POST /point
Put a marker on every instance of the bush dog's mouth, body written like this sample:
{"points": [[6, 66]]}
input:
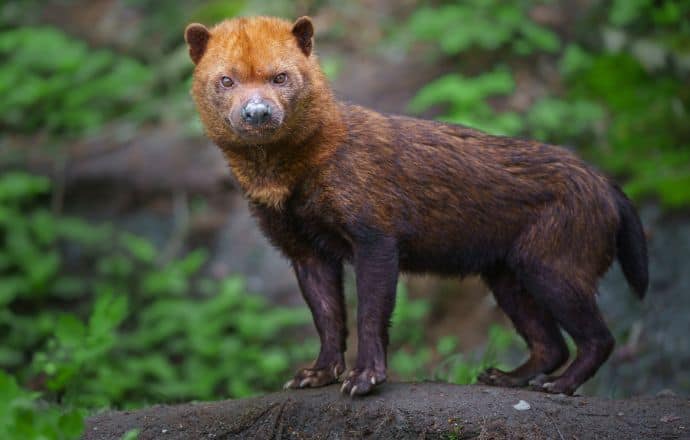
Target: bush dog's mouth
{"points": [[259, 134]]}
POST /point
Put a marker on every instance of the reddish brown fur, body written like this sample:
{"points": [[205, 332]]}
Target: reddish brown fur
{"points": [[338, 183]]}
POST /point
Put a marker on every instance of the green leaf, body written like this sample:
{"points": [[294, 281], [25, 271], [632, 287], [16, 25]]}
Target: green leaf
{"points": [[70, 331], [20, 186], [108, 313], [624, 12], [71, 424], [574, 60], [466, 99], [132, 434], [139, 247], [192, 262], [446, 345], [539, 37]]}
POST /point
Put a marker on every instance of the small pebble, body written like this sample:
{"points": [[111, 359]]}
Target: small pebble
{"points": [[522, 406], [666, 393]]}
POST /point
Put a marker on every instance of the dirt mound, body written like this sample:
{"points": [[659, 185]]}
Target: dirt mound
{"points": [[410, 410]]}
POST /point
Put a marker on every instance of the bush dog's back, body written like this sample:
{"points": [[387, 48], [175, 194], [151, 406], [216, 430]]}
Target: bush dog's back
{"points": [[331, 183]]}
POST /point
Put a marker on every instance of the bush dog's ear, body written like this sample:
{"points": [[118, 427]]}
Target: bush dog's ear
{"points": [[303, 30], [196, 35]]}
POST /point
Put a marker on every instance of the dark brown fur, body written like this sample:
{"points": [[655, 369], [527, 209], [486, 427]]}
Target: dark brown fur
{"points": [[338, 183]]}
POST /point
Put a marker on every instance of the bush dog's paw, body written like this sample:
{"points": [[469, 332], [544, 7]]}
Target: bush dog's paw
{"points": [[537, 383], [497, 378], [558, 386], [551, 385], [360, 382], [315, 377]]}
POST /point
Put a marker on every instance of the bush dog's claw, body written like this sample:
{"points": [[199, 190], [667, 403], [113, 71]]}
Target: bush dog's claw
{"points": [[314, 377]]}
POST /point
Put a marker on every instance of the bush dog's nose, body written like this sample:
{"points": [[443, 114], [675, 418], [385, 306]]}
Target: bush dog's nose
{"points": [[256, 112]]}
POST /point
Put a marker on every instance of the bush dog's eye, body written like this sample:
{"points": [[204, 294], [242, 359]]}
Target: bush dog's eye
{"points": [[226, 81], [280, 78]]}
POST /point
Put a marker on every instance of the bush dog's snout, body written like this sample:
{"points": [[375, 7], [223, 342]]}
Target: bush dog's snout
{"points": [[256, 111]]}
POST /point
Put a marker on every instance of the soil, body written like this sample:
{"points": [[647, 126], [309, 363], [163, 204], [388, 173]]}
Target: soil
{"points": [[405, 410]]}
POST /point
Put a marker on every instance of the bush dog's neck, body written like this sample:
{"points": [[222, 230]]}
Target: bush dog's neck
{"points": [[268, 173]]}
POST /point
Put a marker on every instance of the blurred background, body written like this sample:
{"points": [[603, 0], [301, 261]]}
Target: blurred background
{"points": [[131, 272]]}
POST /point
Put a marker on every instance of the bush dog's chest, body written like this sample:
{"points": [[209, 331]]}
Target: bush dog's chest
{"points": [[302, 227]]}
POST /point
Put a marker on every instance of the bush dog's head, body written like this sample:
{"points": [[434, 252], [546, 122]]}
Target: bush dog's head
{"points": [[255, 79]]}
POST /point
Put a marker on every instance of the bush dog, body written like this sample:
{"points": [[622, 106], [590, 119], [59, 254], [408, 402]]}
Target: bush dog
{"points": [[331, 183]]}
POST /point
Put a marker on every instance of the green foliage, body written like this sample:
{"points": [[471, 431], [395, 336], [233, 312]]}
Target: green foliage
{"points": [[648, 130], [27, 263], [484, 24], [544, 120], [53, 83], [132, 330], [409, 355], [462, 26], [214, 11], [665, 21], [181, 348], [466, 101], [407, 316], [23, 417], [464, 368]]}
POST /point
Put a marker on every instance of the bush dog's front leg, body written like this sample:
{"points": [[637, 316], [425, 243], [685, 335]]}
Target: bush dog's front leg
{"points": [[321, 283], [376, 269]]}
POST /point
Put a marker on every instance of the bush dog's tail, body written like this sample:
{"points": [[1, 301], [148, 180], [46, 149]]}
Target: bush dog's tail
{"points": [[631, 245]]}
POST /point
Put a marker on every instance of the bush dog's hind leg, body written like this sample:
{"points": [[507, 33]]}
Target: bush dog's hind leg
{"points": [[534, 323], [376, 270], [321, 283], [575, 309]]}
